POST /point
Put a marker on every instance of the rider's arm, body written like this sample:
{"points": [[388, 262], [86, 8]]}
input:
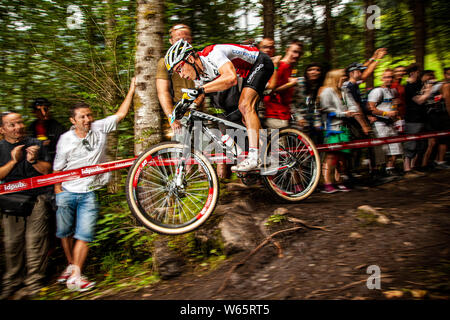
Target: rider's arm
{"points": [[227, 79]]}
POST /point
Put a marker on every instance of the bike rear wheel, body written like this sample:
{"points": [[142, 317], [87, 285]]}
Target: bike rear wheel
{"points": [[297, 166], [161, 199]]}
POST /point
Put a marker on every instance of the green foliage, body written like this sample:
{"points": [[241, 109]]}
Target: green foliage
{"points": [[304, 20], [275, 219], [211, 21], [42, 56]]}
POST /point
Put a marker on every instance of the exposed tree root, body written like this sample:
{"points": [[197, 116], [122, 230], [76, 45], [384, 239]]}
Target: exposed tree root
{"points": [[262, 244]]}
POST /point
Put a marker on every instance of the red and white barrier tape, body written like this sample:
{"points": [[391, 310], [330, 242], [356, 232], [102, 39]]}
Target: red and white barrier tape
{"points": [[49, 179], [52, 178], [365, 143]]}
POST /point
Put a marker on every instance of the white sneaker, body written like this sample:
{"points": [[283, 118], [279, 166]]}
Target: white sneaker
{"points": [[247, 165], [65, 274], [80, 284]]}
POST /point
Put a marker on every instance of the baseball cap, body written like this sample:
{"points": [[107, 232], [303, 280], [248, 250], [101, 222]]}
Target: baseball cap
{"points": [[40, 102], [355, 66]]}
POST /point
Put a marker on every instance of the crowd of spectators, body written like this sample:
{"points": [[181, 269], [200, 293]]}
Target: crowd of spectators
{"points": [[330, 107]]}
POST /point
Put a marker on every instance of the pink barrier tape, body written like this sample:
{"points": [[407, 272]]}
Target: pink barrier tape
{"points": [[52, 178]]}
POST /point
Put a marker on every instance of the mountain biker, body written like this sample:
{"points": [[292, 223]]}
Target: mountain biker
{"points": [[216, 68]]}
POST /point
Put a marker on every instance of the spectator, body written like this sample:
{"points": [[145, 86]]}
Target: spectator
{"points": [[337, 106], [446, 89], [169, 86], [306, 107], [24, 214], [83, 145], [381, 104], [437, 120], [415, 115], [399, 73], [45, 128], [278, 103], [357, 74], [267, 46]]}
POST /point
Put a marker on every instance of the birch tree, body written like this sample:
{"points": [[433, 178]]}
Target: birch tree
{"points": [[149, 45]]}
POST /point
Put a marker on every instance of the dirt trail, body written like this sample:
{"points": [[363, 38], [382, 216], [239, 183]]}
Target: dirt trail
{"points": [[409, 244]]}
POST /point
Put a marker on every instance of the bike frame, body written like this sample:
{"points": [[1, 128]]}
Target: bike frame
{"points": [[198, 115]]}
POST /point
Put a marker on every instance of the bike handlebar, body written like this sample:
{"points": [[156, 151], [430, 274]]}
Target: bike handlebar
{"points": [[180, 109]]}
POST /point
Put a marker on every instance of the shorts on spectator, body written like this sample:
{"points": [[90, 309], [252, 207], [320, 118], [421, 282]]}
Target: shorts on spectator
{"points": [[273, 123], [383, 130], [76, 215], [343, 136], [412, 148], [438, 121]]}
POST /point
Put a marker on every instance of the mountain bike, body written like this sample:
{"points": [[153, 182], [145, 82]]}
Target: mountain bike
{"points": [[172, 188]]}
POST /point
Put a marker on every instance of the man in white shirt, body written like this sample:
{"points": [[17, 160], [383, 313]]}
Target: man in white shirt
{"points": [[381, 104], [83, 145]]}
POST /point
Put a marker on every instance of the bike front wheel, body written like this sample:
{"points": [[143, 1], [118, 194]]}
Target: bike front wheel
{"points": [[293, 164], [170, 193]]}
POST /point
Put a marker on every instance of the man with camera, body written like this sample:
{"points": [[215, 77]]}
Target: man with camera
{"points": [[25, 214]]}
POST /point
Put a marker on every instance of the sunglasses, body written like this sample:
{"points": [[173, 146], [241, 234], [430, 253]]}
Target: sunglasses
{"points": [[180, 66], [87, 145]]}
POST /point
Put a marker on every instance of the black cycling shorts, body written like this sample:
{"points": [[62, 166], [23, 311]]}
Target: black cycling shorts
{"points": [[259, 74]]}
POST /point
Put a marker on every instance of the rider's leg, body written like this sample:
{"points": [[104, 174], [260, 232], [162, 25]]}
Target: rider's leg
{"points": [[247, 103]]}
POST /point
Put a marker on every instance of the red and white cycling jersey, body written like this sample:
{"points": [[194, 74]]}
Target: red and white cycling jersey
{"points": [[215, 56]]}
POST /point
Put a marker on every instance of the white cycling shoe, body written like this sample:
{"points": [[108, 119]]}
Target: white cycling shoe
{"points": [[247, 165]]}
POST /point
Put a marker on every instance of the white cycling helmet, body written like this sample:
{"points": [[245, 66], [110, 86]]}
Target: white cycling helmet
{"points": [[179, 51]]}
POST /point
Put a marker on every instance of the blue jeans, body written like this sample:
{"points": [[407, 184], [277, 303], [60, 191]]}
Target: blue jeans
{"points": [[76, 215]]}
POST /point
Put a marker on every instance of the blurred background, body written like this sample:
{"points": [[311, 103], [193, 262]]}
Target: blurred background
{"points": [[71, 50]]}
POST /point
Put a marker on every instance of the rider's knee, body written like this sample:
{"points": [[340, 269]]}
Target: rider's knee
{"points": [[246, 109]]}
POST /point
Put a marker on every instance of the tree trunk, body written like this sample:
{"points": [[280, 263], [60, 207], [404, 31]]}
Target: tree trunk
{"points": [[269, 18], [369, 41], [26, 77], [329, 38], [149, 46], [420, 33], [313, 28], [112, 92]]}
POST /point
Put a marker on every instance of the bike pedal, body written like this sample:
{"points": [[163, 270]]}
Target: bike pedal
{"points": [[255, 170]]}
